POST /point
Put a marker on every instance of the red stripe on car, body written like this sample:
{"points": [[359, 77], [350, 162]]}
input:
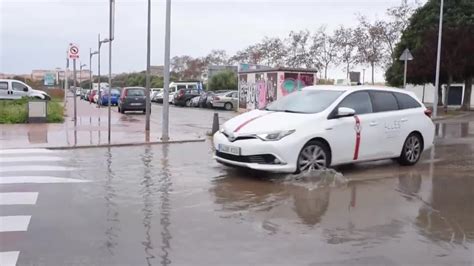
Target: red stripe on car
{"points": [[357, 129], [248, 121]]}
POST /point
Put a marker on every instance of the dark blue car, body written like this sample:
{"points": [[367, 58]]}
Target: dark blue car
{"points": [[104, 100]]}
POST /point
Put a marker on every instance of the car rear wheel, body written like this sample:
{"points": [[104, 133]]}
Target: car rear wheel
{"points": [[412, 149], [228, 106], [315, 155], [188, 103]]}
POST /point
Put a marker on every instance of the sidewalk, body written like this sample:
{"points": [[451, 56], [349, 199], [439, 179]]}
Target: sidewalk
{"points": [[91, 129]]}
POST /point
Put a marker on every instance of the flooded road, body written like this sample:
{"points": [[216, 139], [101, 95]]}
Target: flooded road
{"points": [[173, 205]]}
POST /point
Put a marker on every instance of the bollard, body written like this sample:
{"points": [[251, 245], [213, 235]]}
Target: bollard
{"points": [[215, 123]]}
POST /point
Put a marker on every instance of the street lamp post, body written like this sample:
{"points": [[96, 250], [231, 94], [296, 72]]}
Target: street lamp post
{"points": [[90, 66], [100, 42], [438, 59], [148, 44], [165, 126], [80, 73], [111, 38]]}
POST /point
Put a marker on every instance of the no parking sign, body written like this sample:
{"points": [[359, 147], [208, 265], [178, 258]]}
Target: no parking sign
{"points": [[73, 51]]}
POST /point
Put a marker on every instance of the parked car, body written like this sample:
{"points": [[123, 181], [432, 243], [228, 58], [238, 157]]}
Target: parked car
{"points": [[154, 93], [92, 93], [183, 97], [205, 101], [132, 99], [15, 89], [323, 126], [226, 100], [84, 94], [195, 101], [104, 99]]}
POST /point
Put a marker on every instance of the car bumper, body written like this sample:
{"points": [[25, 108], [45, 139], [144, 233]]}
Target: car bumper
{"points": [[285, 150]]}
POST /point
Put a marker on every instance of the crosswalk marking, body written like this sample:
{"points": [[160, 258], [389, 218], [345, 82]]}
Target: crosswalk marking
{"points": [[38, 180], [30, 159], [24, 151], [9, 258], [34, 168], [20, 198], [14, 223]]}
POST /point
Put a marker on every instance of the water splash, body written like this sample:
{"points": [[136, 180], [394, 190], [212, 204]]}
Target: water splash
{"points": [[315, 179]]}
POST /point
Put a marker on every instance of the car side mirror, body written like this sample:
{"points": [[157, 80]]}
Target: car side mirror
{"points": [[345, 111], [25, 89]]}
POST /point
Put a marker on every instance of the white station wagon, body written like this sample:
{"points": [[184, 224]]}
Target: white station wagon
{"points": [[323, 126]]}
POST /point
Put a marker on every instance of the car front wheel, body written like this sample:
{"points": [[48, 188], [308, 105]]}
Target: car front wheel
{"points": [[315, 155], [228, 106], [412, 149]]}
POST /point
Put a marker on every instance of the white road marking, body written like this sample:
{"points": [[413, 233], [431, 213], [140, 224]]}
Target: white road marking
{"points": [[9, 258], [34, 168], [24, 151], [29, 159], [38, 180], [14, 223], [20, 198]]}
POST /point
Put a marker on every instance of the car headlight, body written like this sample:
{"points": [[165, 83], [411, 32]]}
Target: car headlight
{"points": [[274, 136]]}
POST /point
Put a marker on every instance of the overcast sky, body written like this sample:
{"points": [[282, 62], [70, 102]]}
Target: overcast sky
{"points": [[35, 33]]}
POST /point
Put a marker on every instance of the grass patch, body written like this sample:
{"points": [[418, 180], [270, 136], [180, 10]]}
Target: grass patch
{"points": [[15, 111]]}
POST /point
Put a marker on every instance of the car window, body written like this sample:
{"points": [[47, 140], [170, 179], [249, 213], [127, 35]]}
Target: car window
{"points": [[359, 101], [17, 86], [383, 101], [405, 101], [3, 85], [194, 92], [306, 101], [135, 92], [234, 95]]}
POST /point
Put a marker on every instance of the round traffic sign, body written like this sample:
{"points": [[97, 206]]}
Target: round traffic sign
{"points": [[74, 50]]}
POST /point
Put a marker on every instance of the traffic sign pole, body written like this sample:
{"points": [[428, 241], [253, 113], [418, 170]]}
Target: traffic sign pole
{"points": [[74, 92], [405, 74]]}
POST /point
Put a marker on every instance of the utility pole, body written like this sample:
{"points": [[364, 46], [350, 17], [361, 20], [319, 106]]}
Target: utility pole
{"points": [[148, 44], [98, 68], [111, 38], [438, 59], [165, 124]]}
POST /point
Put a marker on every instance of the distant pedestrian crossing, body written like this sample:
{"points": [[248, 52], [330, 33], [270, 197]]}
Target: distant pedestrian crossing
{"points": [[25, 166]]}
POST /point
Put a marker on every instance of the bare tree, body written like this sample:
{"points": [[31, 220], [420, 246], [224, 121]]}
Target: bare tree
{"points": [[326, 49], [299, 50], [346, 45], [369, 39], [273, 51], [217, 57]]}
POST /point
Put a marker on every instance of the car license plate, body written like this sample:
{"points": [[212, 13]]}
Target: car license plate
{"points": [[229, 149], [136, 104]]}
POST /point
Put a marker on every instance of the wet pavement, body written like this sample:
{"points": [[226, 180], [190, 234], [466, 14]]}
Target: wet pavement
{"points": [[92, 127], [173, 205]]}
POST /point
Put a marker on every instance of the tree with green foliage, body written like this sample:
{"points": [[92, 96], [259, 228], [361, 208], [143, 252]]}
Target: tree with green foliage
{"points": [[457, 53], [226, 80]]}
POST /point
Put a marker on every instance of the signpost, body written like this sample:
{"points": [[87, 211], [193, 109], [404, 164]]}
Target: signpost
{"points": [[73, 53], [406, 56]]}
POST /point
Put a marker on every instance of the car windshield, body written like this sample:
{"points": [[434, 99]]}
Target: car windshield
{"points": [[307, 101]]}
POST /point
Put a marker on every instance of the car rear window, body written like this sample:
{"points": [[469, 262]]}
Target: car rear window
{"points": [[3, 86], [405, 101], [135, 92], [383, 101]]}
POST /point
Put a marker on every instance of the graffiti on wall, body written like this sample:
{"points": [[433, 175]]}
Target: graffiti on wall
{"points": [[259, 93], [291, 82]]}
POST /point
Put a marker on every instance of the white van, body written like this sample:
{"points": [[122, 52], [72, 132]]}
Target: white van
{"points": [[15, 89]]}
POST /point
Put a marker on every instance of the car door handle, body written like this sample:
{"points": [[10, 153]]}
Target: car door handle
{"points": [[403, 120], [373, 123]]}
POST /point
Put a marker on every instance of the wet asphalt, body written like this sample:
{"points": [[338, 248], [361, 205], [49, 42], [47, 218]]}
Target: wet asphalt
{"points": [[174, 205]]}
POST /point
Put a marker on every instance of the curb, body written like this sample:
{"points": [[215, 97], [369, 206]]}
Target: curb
{"points": [[124, 144], [451, 117]]}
